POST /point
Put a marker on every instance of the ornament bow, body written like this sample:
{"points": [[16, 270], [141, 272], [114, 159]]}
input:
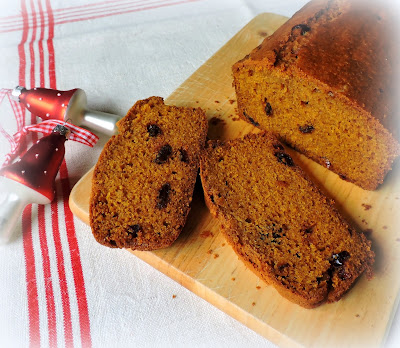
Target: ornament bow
{"points": [[78, 134]]}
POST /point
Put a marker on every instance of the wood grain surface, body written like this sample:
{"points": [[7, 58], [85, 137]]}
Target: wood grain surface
{"points": [[203, 262]]}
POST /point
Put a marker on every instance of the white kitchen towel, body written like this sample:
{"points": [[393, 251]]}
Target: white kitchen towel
{"points": [[58, 287]]}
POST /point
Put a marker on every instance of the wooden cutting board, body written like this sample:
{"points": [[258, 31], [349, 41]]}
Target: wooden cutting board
{"points": [[203, 262]]}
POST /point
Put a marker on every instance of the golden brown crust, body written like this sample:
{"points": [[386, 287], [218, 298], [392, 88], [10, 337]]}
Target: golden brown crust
{"points": [[144, 179], [279, 223], [332, 66]]}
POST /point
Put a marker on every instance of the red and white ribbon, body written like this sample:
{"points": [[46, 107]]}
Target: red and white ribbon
{"points": [[78, 134], [19, 117]]}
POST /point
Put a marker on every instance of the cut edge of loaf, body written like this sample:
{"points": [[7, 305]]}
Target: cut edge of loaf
{"points": [[298, 127]]}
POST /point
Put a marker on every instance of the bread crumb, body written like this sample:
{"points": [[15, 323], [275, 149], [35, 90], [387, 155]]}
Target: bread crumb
{"points": [[366, 206], [206, 234], [216, 255], [233, 279], [231, 101], [173, 296], [253, 304], [209, 251], [258, 287]]}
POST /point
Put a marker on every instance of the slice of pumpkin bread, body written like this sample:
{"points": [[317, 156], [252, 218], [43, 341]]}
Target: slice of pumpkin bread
{"points": [[279, 223], [144, 179]]}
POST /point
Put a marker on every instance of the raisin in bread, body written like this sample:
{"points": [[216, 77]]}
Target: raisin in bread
{"points": [[279, 223], [144, 179], [326, 83]]}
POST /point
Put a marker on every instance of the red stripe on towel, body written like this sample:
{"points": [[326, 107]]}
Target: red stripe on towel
{"points": [[21, 49], [101, 8], [77, 271], [80, 289], [31, 50], [69, 15], [50, 46], [30, 268], [51, 309], [68, 335], [30, 276], [48, 282], [40, 45], [107, 12]]}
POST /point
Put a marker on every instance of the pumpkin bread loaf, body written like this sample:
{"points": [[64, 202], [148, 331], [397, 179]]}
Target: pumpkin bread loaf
{"points": [[144, 179], [326, 83], [279, 223]]}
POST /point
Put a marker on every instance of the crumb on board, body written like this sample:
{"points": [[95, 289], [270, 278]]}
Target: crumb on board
{"points": [[209, 251], [364, 222], [258, 287], [231, 101], [216, 101], [366, 206], [357, 315], [206, 234], [173, 296], [216, 255], [223, 244], [253, 304], [233, 278]]}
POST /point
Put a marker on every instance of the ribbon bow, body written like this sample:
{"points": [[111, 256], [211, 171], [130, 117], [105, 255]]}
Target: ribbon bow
{"points": [[46, 127]]}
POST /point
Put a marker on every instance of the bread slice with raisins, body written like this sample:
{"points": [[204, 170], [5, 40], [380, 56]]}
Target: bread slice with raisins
{"points": [[279, 223], [144, 179]]}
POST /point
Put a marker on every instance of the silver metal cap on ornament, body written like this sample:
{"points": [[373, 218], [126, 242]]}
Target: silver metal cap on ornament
{"points": [[68, 106]]}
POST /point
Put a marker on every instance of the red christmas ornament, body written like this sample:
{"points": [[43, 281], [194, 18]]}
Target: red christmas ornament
{"points": [[39, 166], [46, 103], [68, 106], [31, 179]]}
